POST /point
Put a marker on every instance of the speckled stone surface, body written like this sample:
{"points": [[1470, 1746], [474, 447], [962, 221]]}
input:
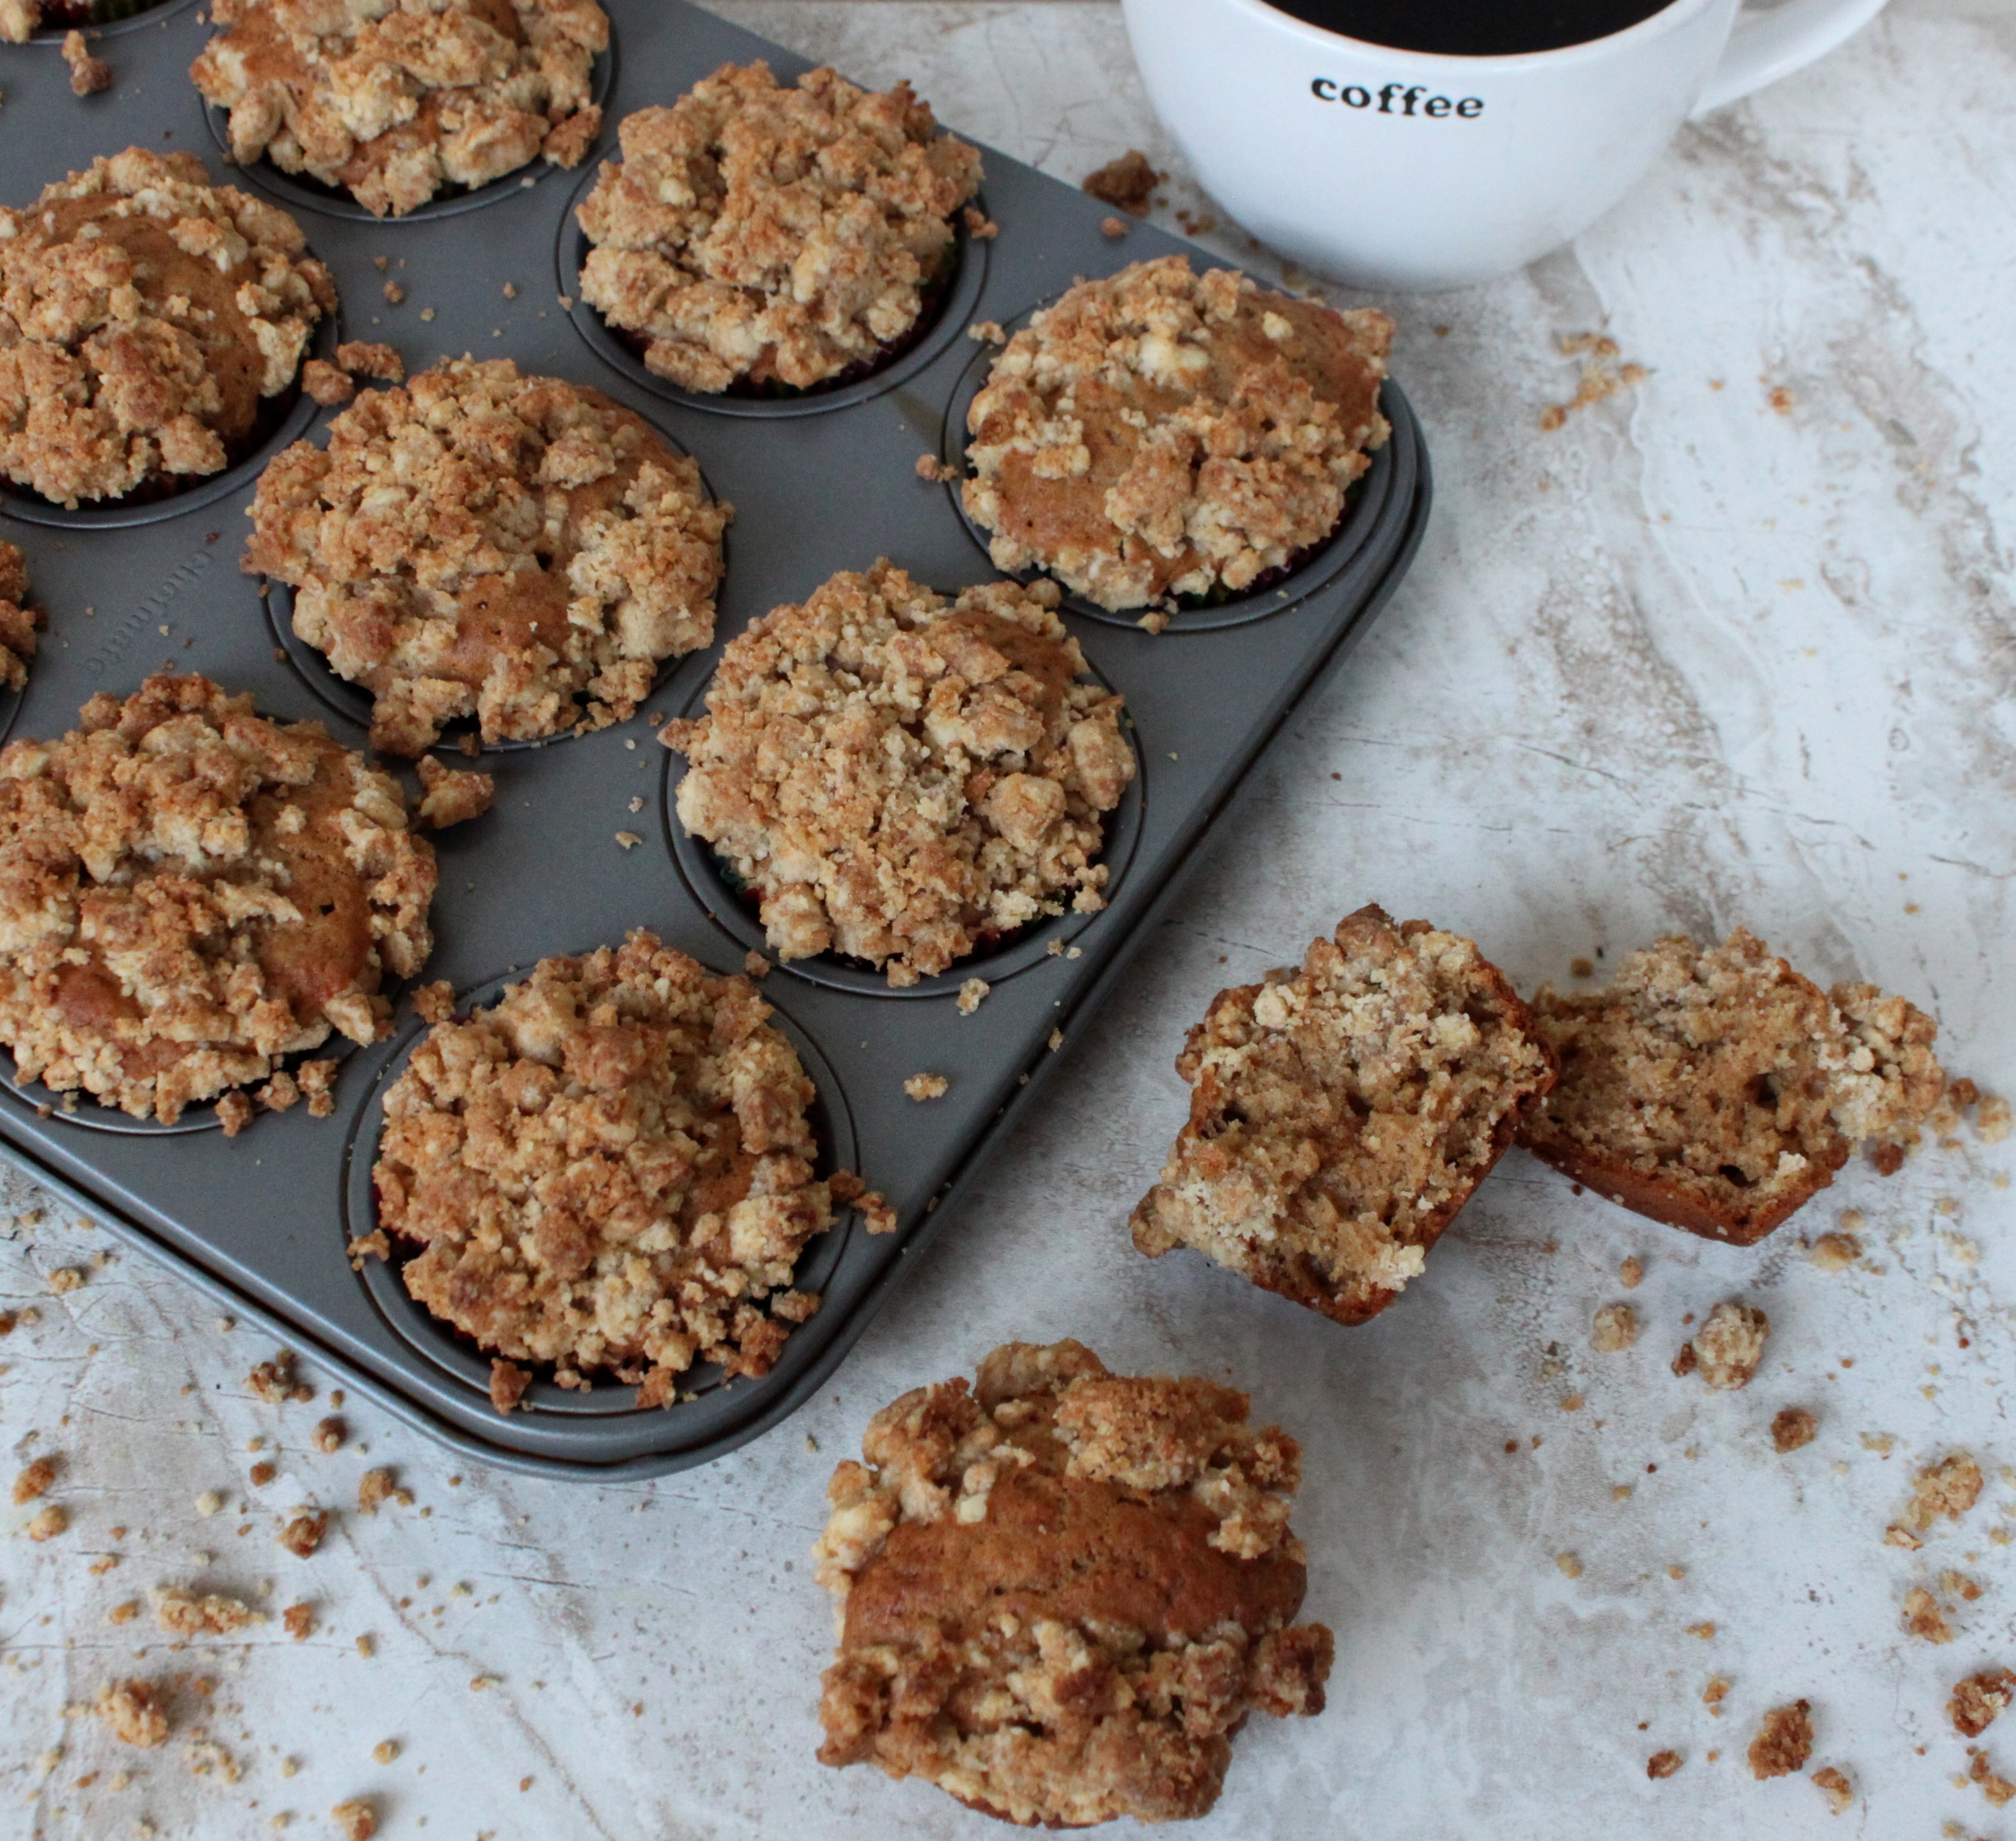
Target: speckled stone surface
{"points": [[1734, 645]]}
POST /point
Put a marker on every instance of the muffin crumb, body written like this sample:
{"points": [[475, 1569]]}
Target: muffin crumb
{"points": [[1924, 1618], [1980, 1700], [1784, 1741], [136, 1712], [1128, 182], [1833, 1785], [1615, 1329], [1727, 1348], [88, 75], [1663, 1764], [926, 1086], [1793, 1427]]}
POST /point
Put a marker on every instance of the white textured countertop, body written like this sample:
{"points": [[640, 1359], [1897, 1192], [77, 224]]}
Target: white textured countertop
{"points": [[1734, 646]]}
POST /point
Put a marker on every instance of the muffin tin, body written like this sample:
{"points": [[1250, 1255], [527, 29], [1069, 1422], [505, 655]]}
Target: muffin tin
{"points": [[821, 482]]}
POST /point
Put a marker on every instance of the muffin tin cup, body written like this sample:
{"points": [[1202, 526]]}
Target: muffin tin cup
{"points": [[582, 845]]}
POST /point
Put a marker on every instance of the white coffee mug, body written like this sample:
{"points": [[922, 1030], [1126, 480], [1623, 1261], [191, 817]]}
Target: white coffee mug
{"points": [[1416, 171]]}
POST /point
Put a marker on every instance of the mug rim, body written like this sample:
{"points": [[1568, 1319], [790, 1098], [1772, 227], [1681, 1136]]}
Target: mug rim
{"points": [[1668, 18]]}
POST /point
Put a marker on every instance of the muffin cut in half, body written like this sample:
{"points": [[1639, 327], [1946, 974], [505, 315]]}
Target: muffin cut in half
{"points": [[1161, 434], [611, 1169], [1341, 1115], [1059, 1594], [1718, 1090], [148, 322], [756, 234], [391, 100], [480, 542], [900, 778], [188, 892]]}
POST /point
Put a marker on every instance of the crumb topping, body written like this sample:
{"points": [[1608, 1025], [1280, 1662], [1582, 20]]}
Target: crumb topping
{"points": [[611, 1168], [899, 778], [1128, 182], [1727, 1348], [1615, 1329], [1719, 1090], [1784, 1741], [19, 20], [1161, 433], [1948, 1488], [135, 1711], [762, 232], [479, 542], [188, 892], [1060, 1591], [390, 101], [1340, 1116], [183, 1613], [1792, 1428], [1924, 1618], [1980, 1700], [144, 315], [88, 75]]}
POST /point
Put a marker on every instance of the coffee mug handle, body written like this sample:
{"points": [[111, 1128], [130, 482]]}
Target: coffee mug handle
{"points": [[1768, 43]]}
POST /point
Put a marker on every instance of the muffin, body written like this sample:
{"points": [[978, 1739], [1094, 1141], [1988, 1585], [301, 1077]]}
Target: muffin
{"points": [[755, 236], [611, 1170], [151, 326], [18, 621], [546, 545], [1061, 1593], [391, 102], [904, 779], [189, 892], [1341, 1115], [1718, 1090], [1161, 435]]}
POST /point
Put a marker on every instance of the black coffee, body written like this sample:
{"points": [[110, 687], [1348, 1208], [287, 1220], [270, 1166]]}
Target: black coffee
{"points": [[1472, 28]]}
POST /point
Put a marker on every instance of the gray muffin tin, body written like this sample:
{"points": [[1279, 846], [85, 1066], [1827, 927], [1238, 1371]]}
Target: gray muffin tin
{"points": [[819, 484]]}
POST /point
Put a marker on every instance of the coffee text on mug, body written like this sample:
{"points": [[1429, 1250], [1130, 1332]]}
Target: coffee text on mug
{"points": [[1354, 96]]}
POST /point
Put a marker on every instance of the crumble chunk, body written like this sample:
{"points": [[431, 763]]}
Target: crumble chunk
{"points": [[1340, 1117], [19, 20], [1060, 1591], [88, 75], [1727, 1348], [926, 1086], [452, 795], [189, 892], [1160, 433], [275, 1382], [541, 544], [136, 1712], [1793, 1427], [183, 1613], [1663, 1764], [899, 778], [330, 387], [356, 1819], [48, 1522], [1784, 1741], [1718, 1090], [1997, 1788], [1615, 1329], [1128, 182], [380, 362], [392, 103], [1924, 1618], [1833, 1785], [148, 313], [611, 1168], [34, 1479], [19, 623], [1980, 1700], [304, 1532], [1949, 1488], [755, 233]]}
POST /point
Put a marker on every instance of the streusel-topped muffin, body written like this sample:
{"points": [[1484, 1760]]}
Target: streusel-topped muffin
{"points": [[1061, 1592], [757, 233], [1162, 433], [1341, 1115], [147, 317], [393, 100], [543, 545], [898, 777], [189, 892], [610, 1169]]}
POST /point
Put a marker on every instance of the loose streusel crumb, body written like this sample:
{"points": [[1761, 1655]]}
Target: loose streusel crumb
{"points": [[184, 1613], [392, 103], [19, 20], [1924, 1617], [380, 362], [1719, 1090], [48, 1522], [1569, 1566], [275, 1381], [304, 1532], [375, 1488], [1128, 182], [1948, 1488], [544, 542], [1112, 228], [1998, 1789], [1663, 1764], [35, 1478], [919, 1086], [1833, 1785], [1835, 1252], [1784, 1741], [1631, 1273], [330, 387], [1160, 432], [1616, 1328], [148, 313], [1061, 1592], [1715, 1694], [661, 1248], [759, 234], [1794, 1427], [755, 964], [1340, 1117], [189, 892], [19, 623], [357, 1820], [898, 777], [1980, 1700], [136, 1712], [1727, 1348], [452, 795], [1961, 1585], [972, 994], [88, 75], [329, 1435], [299, 1621]]}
